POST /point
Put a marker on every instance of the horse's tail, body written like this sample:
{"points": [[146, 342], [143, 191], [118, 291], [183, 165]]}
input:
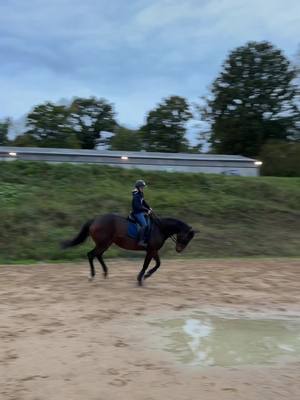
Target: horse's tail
{"points": [[80, 238]]}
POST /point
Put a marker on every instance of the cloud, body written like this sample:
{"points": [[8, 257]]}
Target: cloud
{"points": [[133, 53]]}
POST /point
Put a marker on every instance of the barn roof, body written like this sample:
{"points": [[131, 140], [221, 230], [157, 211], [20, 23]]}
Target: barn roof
{"points": [[118, 154]]}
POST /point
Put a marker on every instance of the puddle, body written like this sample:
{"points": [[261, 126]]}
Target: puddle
{"points": [[214, 341]]}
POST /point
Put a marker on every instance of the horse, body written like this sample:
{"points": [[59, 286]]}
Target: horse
{"points": [[112, 228]]}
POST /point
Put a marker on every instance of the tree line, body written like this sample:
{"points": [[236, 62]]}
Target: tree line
{"points": [[85, 122], [252, 110]]}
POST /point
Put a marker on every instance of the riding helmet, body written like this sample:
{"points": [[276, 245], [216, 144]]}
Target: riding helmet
{"points": [[140, 183]]}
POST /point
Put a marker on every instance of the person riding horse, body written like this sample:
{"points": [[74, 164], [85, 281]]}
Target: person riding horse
{"points": [[139, 208], [107, 229]]}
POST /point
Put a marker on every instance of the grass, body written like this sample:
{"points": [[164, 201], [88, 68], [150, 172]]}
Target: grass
{"points": [[41, 204]]}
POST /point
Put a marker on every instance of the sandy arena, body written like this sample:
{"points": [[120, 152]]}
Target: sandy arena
{"points": [[65, 338]]}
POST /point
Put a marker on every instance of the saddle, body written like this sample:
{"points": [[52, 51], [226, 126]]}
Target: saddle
{"points": [[131, 218], [134, 228]]}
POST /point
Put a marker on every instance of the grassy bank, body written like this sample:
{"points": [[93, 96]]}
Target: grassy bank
{"points": [[41, 204]]}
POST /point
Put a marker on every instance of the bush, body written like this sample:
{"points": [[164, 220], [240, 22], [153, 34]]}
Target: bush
{"points": [[281, 159]]}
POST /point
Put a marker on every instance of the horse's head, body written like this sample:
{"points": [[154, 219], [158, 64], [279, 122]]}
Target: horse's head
{"points": [[183, 238]]}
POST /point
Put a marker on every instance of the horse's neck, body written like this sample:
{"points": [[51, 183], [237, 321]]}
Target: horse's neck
{"points": [[171, 226]]}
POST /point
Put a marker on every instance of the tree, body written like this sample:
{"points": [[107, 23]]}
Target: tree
{"points": [[49, 126], [125, 139], [280, 158], [165, 126], [26, 140], [4, 128], [253, 100], [90, 117]]}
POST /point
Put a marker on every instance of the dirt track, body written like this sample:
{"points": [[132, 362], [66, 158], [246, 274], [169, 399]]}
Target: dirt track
{"points": [[64, 338]]}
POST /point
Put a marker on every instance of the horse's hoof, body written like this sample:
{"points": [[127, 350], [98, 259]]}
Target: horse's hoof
{"points": [[140, 282], [91, 278], [105, 275]]}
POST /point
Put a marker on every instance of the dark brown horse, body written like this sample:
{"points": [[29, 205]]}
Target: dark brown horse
{"points": [[112, 228]]}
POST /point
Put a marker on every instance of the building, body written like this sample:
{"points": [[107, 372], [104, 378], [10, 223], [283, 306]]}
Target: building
{"points": [[171, 162]]}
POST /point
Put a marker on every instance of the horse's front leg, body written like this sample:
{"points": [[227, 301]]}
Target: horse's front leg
{"points": [[152, 270], [147, 261]]}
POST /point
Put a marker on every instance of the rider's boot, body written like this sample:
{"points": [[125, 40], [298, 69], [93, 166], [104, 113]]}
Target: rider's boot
{"points": [[141, 241]]}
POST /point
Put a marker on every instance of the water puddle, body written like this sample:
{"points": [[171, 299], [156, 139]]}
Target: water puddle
{"points": [[204, 340]]}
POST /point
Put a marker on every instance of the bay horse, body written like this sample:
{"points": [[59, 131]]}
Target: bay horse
{"points": [[111, 228]]}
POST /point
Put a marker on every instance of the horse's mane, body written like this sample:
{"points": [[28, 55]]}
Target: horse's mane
{"points": [[173, 223]]}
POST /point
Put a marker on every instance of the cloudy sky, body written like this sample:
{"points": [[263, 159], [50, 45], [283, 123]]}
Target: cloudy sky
{"points": [[132, 52]]}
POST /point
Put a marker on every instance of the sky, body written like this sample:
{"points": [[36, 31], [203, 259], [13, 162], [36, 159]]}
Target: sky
{"points": [[133, 53]]}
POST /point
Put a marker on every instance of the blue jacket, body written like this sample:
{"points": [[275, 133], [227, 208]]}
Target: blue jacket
{"points": [[139, 204]]}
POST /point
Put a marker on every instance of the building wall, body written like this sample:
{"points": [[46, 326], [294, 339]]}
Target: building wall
{"points": [[234, 170], [243, 167]]}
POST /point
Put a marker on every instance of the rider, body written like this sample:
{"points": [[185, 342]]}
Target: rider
{"points": [[139, 208]]}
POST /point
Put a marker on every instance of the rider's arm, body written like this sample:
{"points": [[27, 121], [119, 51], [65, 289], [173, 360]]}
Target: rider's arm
{"points": [[146, 205]]}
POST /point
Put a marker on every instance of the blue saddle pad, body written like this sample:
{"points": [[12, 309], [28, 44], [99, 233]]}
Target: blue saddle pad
{"points": [[133, 230]]}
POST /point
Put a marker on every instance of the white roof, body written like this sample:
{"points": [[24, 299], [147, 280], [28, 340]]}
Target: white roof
{"points": [[118, 154]]}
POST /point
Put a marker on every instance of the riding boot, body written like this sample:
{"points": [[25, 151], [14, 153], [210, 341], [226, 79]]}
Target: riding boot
{"points": [[141, 241]]}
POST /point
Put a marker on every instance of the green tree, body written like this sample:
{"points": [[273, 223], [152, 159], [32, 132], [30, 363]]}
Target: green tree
{"points": [[165, 126], [90, 117], [4, 128], [26, 140], [125, 139], [280, 158], [253, 100], [49, 126]]}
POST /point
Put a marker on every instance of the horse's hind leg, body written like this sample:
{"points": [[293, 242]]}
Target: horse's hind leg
{"points": [[101, 261], [91, 255]]}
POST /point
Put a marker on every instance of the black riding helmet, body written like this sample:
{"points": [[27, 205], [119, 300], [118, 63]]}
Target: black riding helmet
{"points": [[140, 183]]}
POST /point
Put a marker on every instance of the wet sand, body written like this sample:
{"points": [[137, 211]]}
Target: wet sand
{"points": [[65, 338]]}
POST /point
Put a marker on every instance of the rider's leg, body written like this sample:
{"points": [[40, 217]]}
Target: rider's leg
{"points": [[143, 222]]}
